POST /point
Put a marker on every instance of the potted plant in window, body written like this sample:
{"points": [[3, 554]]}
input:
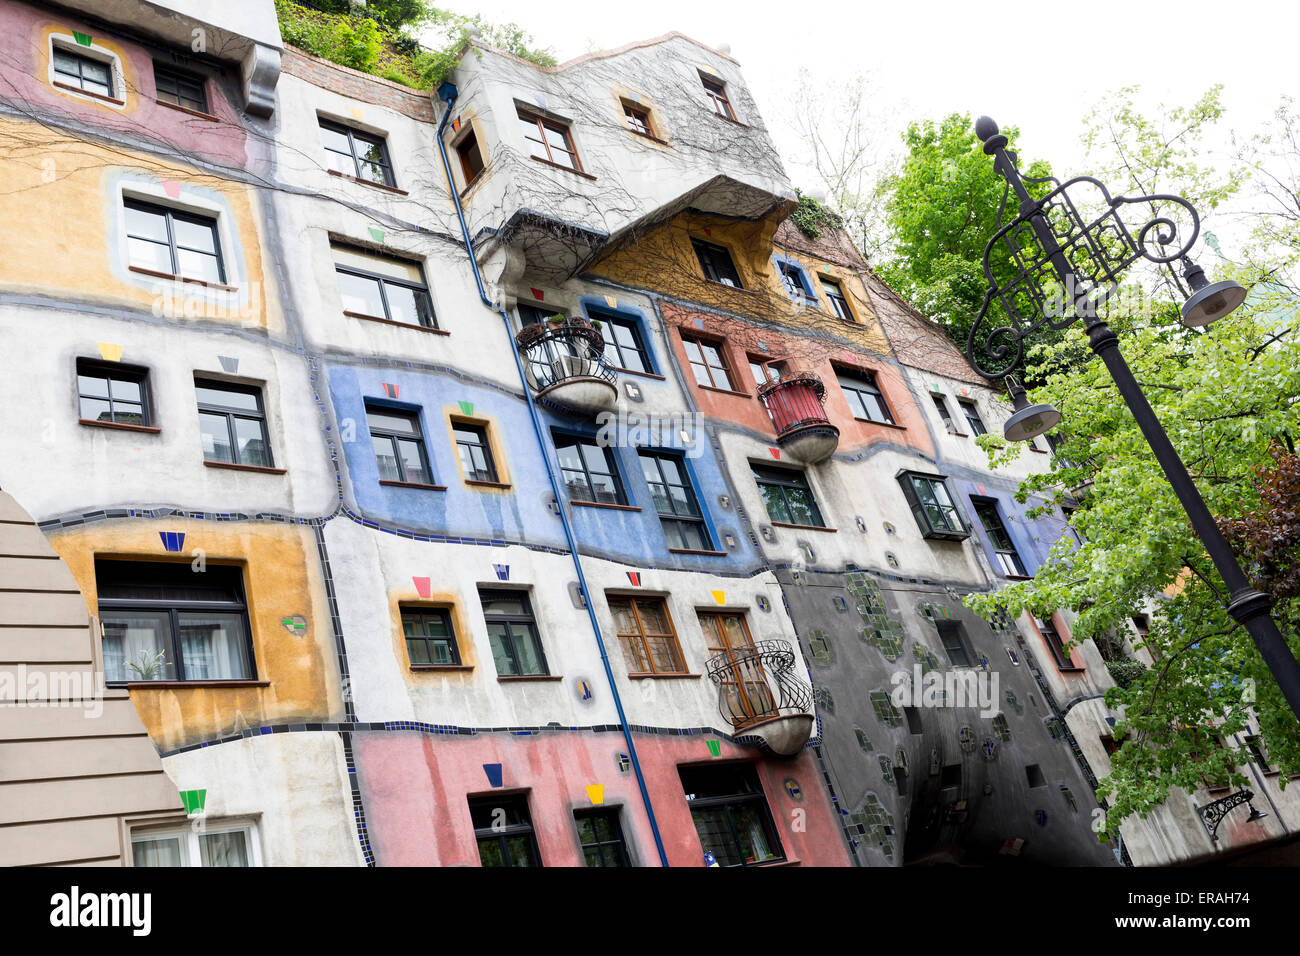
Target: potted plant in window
{"points": [[147, 665]]}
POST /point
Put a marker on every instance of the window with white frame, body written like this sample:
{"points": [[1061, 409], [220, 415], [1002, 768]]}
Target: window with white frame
{"points": [[86, 70], [215, 844]]}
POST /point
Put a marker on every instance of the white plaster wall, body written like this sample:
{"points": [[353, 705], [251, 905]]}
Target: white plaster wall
{"points": [[294, 785]]}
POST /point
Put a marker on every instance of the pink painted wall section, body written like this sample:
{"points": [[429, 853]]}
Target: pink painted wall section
{"points": [[416, 789], [25, 45]]}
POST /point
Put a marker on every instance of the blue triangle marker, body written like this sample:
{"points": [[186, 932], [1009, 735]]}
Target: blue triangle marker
{"points": [[493, 771]]}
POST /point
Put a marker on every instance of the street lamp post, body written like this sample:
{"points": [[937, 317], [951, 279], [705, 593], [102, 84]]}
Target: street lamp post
{"points": [[1052, 240]]}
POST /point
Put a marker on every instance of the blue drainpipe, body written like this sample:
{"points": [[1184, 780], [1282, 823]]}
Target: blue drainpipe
{"points": [[447, 92]]}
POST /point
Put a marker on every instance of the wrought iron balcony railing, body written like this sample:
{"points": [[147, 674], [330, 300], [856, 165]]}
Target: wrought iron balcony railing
{"points": [[757, 683], [556, 354], [795, 402]]}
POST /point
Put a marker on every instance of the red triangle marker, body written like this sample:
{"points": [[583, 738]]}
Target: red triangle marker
{"points": [[538, 294], [421, 586]]}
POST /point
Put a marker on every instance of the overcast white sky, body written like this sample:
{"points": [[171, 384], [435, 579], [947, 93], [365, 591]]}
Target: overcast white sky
{"points": [[1040, 65]]}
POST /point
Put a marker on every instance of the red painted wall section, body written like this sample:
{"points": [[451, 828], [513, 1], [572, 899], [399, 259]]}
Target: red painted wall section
{"points": [[25, 45], [416, 788], [739, 339]]}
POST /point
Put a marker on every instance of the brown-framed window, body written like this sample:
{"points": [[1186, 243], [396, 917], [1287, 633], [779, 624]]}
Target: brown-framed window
{"points": [[835, 295], [717, 93], [645, 629], [180, 88], [1056, 644], [549, 140], [430, 638], [471, 158], [744, 683], [716, 263], [763, 369], [638, 119], [708, 363], [866, 401]]}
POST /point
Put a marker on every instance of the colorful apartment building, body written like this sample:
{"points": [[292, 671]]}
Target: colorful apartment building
{"points": [[491, 475]]}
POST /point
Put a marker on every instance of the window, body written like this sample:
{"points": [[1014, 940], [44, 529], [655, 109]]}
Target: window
{"points": [[638, 119], [516, 646], [214, 845], [972, 416], [708, 364], [730, 813], [716, 264], [645, 630], [675, 500], [430, 639], [167, 242], [180, 88], [601, 837], [504, 830], [232, 424], [549, 141], [1056, 645], [379, 287], [1035, 776], [864, 397], [1257, 753], [108, 392], [168, 622], [1004, 551], [354, 153], [589, 470], [1108, 743], [717, 93], [399, 445], [83, 72], [471, 157], [794, 280], [743, 692], [763, 370], [624, 347], [835, 295], [932, 506], [534, 314], [787, 496], [475, 453], [941, 405], [950, 776], [955, 644]]}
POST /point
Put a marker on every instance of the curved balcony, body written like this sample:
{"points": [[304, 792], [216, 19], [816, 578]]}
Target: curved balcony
{"points": [[759, 694], [565, 367], [796, 404]]}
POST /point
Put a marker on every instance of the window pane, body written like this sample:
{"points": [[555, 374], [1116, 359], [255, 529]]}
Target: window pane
{"points": [[373, 172], [335, 140], [530, 653], [395, 421], [146, 224], [128, 413], [506, 603], [413, 461], [253, 449], [95, 72], [418, 652], [93, 385], [159, 851], [489, 852], [499, 635], [361, 295], [149, 255], [715, 835], [215, 433], [96, 410], [386, 458], [195, 235], [755, 842], [213, 646], [775, 501], [136, 646], [802, 507], [126, 390], [224, 849], [408, 305], [199, 265], [227, 398], [520, 849]]}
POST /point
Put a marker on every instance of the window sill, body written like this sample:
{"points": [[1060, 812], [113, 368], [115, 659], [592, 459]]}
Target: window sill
{"points": [[186, 109], [567, 169], [146, 429], [221, 287], [628, 371], [1018, 577], [411, 484], [368, 182], [260, 469], [803, 527], [649, 136], [401, 325], [723, 391], [433, 668], [868, 421], [487, 484], [524, 678], [601, 504], [675, 675], [482, 175], [1064, 669], [730, 119], [94, 96], [958, 434], [174, 684], [1039, 450], [712, 554]]}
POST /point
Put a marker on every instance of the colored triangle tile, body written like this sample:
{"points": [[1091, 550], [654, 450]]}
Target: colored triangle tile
{"points": [[110, 352], [596, 792], [422, 586]]}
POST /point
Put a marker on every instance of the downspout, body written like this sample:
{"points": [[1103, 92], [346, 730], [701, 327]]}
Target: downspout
{"points": [[447, 92]]}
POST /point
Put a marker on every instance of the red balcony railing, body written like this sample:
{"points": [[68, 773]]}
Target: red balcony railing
{"points": [[795, 402]]}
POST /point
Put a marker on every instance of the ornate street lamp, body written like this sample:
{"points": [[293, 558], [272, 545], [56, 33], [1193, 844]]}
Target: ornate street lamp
{"points": [[1068, 251], [1212, 814]]}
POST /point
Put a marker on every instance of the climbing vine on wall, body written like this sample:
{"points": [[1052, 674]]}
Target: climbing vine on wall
{"points": [[812, 218]]}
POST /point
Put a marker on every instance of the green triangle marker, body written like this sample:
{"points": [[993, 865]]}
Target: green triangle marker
{"points": [[715, 747], [83, 38], [466, 408], [194, 800], [376, 234]]}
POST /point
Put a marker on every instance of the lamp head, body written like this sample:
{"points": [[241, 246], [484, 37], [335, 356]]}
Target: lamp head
{"points": [[1255, 815], [1028, 421], [1208, 302]]}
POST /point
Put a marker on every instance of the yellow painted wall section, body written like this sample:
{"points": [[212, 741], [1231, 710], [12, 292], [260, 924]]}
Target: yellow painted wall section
{"points": [[61, 215], [664, 260], [282, 578]]}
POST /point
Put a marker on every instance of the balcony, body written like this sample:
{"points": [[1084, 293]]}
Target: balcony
{"points": [[564, 365], [761, 697], [796, 406]]}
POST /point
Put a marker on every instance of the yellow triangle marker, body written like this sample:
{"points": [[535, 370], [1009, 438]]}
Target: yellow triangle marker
{"points": [[719, 597], [109, 352], [611, 302], [356, 112], [596, 792]]}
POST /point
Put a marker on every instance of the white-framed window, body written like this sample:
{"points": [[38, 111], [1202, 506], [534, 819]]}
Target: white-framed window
{"points": [[218, 843], [89, 71]]}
